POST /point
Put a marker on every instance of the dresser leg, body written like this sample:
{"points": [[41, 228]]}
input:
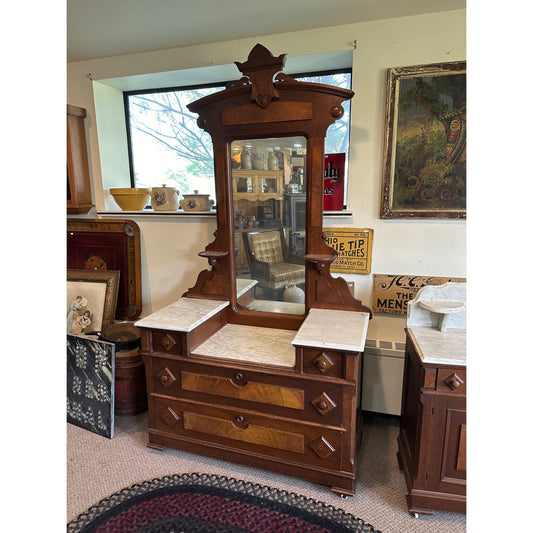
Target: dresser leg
{"points": [[155, 446]]}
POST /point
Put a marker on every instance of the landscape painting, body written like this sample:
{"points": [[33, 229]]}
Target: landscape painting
{"points": [[424, 170]]}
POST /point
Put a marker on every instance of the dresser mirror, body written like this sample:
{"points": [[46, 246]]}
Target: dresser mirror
{"points": [[269, 258], [269, 200]]}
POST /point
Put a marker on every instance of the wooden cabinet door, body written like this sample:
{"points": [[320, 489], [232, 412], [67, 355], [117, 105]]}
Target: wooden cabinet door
{"points": [[446, 466]]}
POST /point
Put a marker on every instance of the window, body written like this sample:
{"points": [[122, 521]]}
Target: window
{"points": [[166, 146]]}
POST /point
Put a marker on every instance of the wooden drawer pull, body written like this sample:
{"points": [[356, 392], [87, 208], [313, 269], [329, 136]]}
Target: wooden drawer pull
{"points": [[238, 380], [240, 423], [453, 381]]}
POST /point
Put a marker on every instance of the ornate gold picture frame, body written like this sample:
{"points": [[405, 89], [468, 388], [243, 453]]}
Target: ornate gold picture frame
{"points": [[424, 167]]}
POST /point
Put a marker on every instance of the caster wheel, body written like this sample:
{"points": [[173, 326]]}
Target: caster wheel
{"points": [[344, 496], [414, 515]]}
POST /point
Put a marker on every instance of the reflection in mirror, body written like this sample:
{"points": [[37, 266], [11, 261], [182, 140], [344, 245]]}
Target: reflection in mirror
{"points": [[269, 213]]}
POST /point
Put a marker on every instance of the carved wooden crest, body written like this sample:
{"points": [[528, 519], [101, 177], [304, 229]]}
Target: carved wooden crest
{"points": [[260, 68]]}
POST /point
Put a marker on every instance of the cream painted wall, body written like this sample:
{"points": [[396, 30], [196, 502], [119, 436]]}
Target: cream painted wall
{"points": [[426, 247]]}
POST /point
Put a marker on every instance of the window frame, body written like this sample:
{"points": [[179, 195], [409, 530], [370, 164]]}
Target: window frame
{"points": [[299, 75]]}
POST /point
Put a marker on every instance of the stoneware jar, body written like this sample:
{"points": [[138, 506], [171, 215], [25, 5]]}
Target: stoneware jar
{"points": [[164, 198], [196, 202], [246, 159], [273, 163], [258, 161]]}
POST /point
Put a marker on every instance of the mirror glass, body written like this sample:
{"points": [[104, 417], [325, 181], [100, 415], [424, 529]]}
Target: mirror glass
{"points": [[269, 215]]}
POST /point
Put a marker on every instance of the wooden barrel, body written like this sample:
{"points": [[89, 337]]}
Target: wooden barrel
{"points": [[130, 383]]}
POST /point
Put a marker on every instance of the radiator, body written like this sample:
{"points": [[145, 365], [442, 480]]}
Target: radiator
{"points": [[383, 376]]}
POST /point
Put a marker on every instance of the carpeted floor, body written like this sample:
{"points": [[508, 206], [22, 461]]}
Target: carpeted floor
{"points": [[98, 467]]}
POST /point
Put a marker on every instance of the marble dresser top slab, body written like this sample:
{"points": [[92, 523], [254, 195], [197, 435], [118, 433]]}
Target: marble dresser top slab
{"points": [[334, 329], [183, 315], [250, 343], [244, 285], [434, 346]]}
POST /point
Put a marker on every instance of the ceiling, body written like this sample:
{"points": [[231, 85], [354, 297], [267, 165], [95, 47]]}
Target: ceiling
{"points": [[102, 28]]}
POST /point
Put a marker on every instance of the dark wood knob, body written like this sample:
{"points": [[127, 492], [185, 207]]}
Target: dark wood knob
{"points": [[164, 378], [321, 364], [454, 383], [322, 405]]}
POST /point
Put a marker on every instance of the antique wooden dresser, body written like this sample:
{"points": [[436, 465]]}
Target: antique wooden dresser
{"points": [[232, 371]]}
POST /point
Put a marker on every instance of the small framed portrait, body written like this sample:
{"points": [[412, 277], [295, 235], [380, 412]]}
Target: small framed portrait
{"points": [[91, 300]]}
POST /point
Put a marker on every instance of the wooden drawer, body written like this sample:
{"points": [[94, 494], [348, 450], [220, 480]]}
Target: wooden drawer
{"points": [[246, 430], [307, 399], [327, 363], [451, 380], [161, 341]]}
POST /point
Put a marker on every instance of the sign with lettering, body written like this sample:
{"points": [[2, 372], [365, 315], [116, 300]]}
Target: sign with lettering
{"points": [[393, 292], [354, 248], [334, 181]]}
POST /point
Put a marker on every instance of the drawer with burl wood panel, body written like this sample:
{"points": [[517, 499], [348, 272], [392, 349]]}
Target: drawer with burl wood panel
{"points": [[241, 429], [285, 396]]}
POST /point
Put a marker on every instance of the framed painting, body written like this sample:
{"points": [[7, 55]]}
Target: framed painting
{"points": [[424, 167], [91, 300]]}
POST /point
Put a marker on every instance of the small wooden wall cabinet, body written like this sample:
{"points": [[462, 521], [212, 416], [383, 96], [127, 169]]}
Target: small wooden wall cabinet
{"points": [[432, 440], [79, 199]]}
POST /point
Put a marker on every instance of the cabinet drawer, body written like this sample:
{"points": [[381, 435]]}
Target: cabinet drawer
{"points": [[327, 363], [246, 430], [451, 380], [167, 342], [307, 399]]}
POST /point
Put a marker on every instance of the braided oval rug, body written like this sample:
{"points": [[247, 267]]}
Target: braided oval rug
{"points": [[203, 503]]}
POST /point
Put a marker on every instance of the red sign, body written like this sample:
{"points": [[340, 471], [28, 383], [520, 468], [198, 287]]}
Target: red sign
{"points": [[334, 165]]}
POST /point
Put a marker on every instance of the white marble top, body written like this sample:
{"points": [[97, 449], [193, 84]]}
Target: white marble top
{"points": [[250, 343], [434, 346], [271, 306], [244, 285], [334, 329], [183, 315]]}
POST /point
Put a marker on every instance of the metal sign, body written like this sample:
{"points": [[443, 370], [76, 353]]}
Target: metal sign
{"points": [[392, 293], [354, 248]]}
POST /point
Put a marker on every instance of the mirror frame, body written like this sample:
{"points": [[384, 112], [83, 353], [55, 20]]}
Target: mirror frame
{"points": [[266, 102]]}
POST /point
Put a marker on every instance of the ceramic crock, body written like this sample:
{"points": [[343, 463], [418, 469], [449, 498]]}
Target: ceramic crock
{"points": [[164, 198], [196, 202]]}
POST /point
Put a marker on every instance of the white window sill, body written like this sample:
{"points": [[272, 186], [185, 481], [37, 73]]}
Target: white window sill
{"points": [[337, 213], [152, 213]]}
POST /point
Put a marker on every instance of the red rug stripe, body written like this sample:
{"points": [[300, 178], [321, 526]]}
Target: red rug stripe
{"points": [[211, 508]]}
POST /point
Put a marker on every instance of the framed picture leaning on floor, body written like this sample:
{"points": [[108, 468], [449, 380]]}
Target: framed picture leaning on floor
{"points": [[91, 300]]}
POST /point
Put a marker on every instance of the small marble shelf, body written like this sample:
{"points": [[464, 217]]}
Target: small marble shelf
{"points": [[444, 309], [333, 329]]}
